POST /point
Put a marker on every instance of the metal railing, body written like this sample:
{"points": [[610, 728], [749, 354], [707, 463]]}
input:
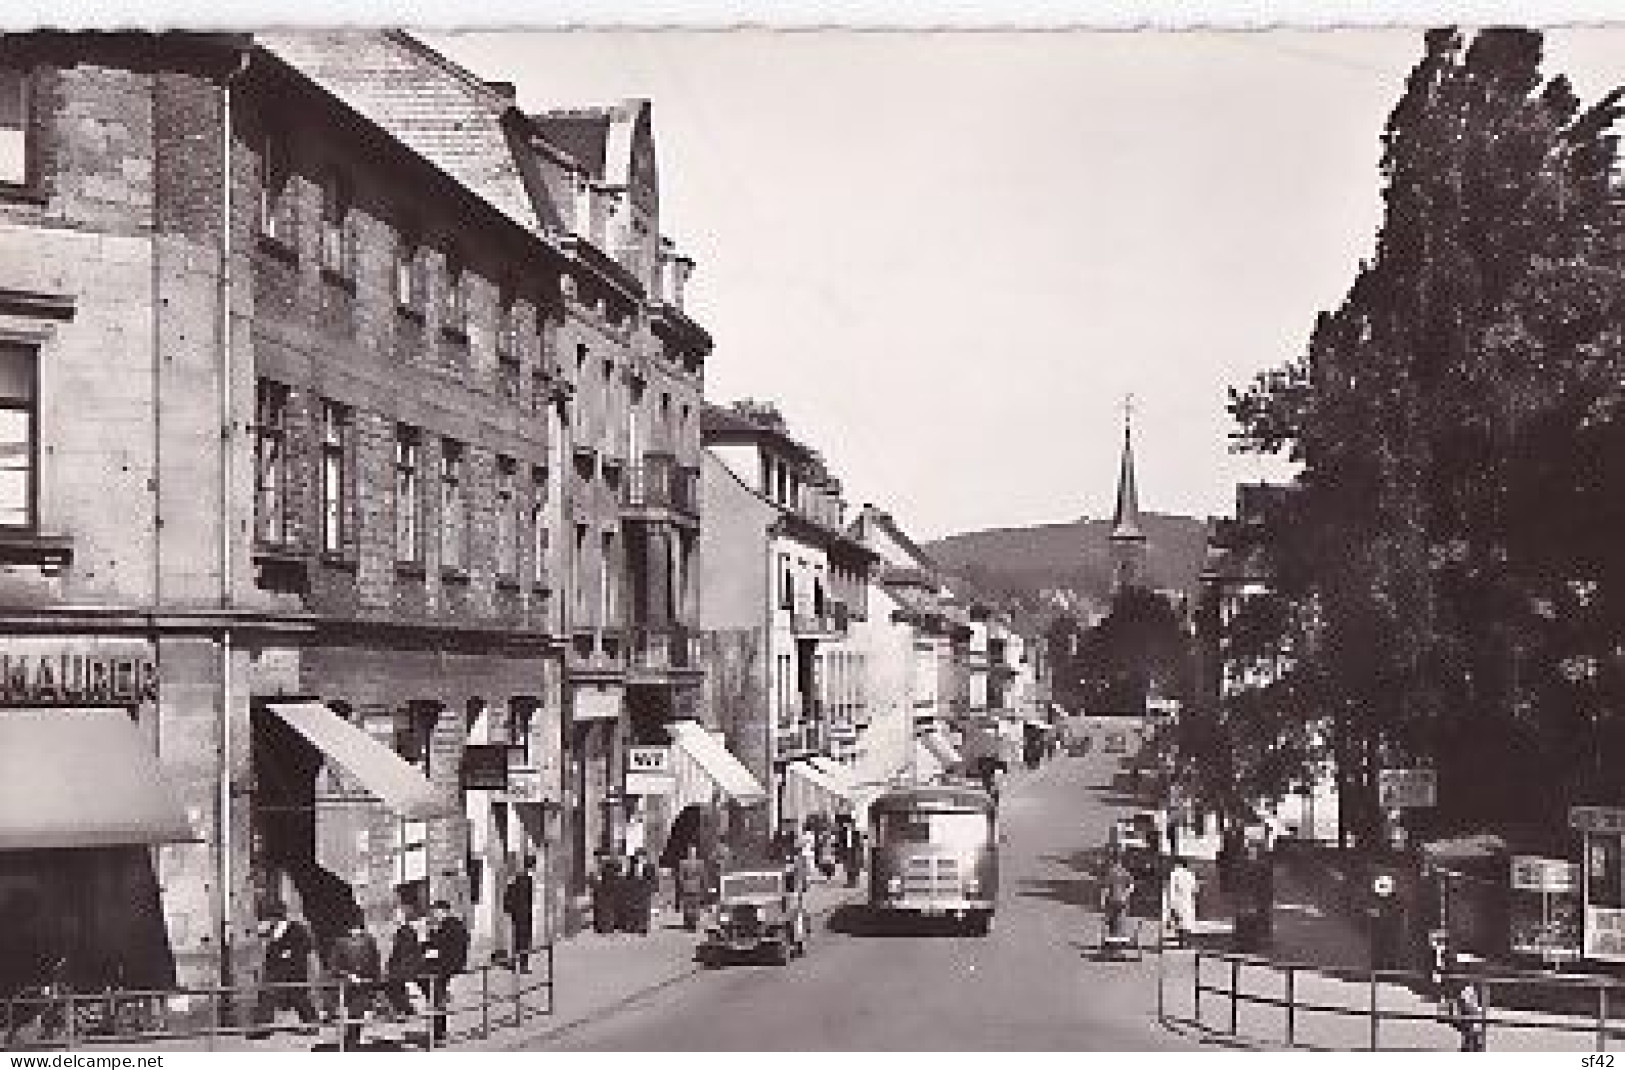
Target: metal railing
{"points": [[501, 998], [662, 647], [660, 482], [1277, 984]]}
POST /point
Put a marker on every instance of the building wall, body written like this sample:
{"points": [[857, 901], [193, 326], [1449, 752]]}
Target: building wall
{"points": [[733, 551]]}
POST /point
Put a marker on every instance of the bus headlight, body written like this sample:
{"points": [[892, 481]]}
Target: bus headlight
{"points": [[894, 885]]}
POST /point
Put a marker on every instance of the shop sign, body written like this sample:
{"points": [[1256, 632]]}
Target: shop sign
{"points": [[649, 771], [58, 678], [485, 767], [526, 786], [1552, 875], [649, 760], [1605, 934], [1399, 789], [1606, 820]]}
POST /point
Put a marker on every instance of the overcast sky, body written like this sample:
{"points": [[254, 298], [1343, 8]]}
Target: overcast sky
{"points": [[948, 257]]}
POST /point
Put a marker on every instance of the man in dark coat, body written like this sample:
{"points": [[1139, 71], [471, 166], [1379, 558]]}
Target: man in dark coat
{"points": [[518, 902], [640, 882], [605, 889], [355, 963], [445, 954], [405, 965], [693, 887], [288, 947]]}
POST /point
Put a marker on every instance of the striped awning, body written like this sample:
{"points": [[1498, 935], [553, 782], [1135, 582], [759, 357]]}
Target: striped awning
{"points": [[380, 770]]}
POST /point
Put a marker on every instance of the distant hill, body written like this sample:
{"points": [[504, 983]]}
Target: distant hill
{"points": [[1069, 566]]}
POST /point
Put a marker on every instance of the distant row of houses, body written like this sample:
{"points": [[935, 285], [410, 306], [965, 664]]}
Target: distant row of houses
{"points": [[365, 534]]}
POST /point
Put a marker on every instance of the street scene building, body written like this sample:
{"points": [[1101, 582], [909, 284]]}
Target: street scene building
{"points": [[413, 619]]}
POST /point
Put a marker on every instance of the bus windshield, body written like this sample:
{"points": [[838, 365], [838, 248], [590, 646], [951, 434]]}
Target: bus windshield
{"points": [[964, 829]]}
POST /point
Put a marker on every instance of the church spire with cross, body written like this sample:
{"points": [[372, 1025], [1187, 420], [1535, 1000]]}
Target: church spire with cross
{"points": [[1128, 539]]}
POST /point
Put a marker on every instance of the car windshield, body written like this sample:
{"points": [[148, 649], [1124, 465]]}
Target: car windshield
{"points": [[944, 829], [746, 885]]}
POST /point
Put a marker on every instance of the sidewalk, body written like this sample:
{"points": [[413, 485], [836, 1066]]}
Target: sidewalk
{"points": [[594, 973], [1317, 925]]}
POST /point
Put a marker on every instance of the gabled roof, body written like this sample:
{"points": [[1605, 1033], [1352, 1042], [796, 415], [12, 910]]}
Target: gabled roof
{"points": [[436, 108]]}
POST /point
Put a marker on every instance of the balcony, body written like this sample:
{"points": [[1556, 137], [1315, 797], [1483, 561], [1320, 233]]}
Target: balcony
{"points": [[832, 623], [653, 651], [595, 651], [661, 483]]}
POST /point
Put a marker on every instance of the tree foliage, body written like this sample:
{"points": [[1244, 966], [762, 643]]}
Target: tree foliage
{"points": [[1458, 419]]}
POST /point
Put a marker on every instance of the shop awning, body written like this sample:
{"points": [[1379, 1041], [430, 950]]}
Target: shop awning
{"points": [[926, 765], [381, 771], [718, 761], [819, 779], [838, 774], [82, 778], [937, 742]]}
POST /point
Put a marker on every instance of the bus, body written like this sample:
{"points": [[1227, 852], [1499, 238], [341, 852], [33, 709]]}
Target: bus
{"points": [[934, 853]]}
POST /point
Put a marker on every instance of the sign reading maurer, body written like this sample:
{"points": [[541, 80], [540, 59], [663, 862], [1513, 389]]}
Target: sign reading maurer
{"points": [[67, 679]]}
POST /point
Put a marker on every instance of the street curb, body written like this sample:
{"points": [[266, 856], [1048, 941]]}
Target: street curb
{"points": [[625, 1002]]}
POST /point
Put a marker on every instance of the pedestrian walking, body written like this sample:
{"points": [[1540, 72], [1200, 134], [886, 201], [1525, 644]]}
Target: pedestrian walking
{"points": [[642, 881], [519, 903], [1182, 889], [445, 955], [1116, 891], [824, 849], [356, 966], [405, 965], [806, 857], [605, 887], [693, 884], [1457, 994], [288, 949]]}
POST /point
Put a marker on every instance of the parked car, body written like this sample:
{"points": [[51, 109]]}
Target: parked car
{"points": [[758, 910]]}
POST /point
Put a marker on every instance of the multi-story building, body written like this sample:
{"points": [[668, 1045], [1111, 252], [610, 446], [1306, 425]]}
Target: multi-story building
{"points": [[784, 586], [913, 614], [292, 331]]}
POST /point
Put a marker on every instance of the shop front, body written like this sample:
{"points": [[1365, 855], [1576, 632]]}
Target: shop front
{"points": [[85, 800]]}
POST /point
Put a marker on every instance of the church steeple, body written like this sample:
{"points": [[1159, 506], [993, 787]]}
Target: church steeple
{"points": [[1128, 536]]}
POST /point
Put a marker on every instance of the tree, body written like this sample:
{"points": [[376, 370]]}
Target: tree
{"points": [[1458, 421]]}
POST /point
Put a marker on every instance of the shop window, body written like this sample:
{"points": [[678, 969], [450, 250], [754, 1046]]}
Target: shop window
{"points": [[16, 139], [453, 509], [271, 463], [19, 436], [408, 495], [335, 490]]}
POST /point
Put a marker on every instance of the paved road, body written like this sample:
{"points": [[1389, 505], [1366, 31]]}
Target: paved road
{"points": [[1031, 985]]}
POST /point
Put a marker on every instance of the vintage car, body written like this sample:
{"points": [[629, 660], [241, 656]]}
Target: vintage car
{"points": [[757, 910]]}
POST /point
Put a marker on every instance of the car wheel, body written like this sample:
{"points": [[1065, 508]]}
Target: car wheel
{"points": [[781, 953]]}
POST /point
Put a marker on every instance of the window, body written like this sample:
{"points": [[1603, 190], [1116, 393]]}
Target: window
{"points": [[276, 208], [453, 508], [408, 494], [609, 580], [16, 105], [409, 280], [19, 453], [521, 715], [580, 568], [508, 348], [454, 310], [335, 492], [787, 584], [271, 463], [507, 517], [538, 526], [338, 223]]}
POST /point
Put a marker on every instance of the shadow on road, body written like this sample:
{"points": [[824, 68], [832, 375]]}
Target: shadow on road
{"points": [[856, 919]]}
